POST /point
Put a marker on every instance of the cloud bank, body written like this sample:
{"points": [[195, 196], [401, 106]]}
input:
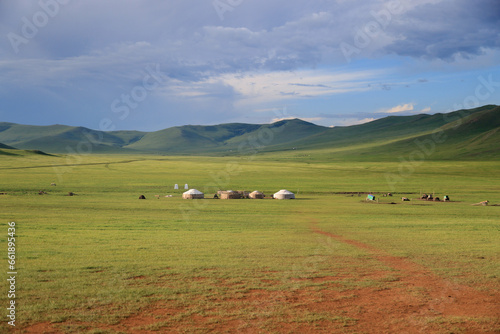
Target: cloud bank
{"points": [[67, 61]]}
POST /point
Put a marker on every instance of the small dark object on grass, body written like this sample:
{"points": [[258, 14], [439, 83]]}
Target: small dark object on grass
{"points": [[142, 197]]}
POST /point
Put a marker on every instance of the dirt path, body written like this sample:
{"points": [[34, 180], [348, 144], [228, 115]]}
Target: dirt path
{"points": [[413, 300], [421, 295]]}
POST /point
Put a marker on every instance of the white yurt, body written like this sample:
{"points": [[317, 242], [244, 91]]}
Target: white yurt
{"points": [[193, 194], [284, 194]]}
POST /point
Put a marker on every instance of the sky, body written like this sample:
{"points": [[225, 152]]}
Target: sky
{"points": [[152, 64]]}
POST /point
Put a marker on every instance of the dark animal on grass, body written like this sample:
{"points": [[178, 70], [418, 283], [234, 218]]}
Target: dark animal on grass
{"points": [[142, 197]]}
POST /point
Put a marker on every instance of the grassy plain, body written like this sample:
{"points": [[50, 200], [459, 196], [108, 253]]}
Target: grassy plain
{"points": [[104, 261]]}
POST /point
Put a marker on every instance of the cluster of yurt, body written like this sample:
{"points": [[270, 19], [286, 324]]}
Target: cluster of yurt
{"points": [[230, 194]]}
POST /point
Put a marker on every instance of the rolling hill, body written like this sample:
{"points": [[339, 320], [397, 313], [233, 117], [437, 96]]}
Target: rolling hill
{"points": [[470, 137], [9, 150], [191, 138], [6, 147], [463, 134], [66, 139], [385, 129]]}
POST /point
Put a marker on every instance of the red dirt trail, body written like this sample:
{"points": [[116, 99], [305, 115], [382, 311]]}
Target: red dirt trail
{"points": [[415, 300], [442, 298]]}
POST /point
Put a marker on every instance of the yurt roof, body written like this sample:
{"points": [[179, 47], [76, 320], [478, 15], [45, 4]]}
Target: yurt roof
{"points": [[284, 192], [256, 192], [193, 192]]}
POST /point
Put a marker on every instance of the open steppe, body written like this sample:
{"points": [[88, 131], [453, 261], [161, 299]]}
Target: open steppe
{"points": [[104, 261]]}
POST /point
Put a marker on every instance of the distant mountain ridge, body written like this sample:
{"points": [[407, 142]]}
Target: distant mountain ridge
{"points": [[470, 133]]}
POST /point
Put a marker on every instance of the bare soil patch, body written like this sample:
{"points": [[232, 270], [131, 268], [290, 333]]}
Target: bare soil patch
{"points": [[410, 299], [43, 327], [421, 293]]}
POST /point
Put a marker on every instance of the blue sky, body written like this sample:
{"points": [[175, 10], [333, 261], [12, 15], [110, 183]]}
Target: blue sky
{"points": [[149, 65]]}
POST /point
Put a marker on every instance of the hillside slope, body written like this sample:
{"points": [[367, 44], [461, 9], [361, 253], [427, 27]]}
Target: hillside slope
{"points": [[382, 130], [191, 138], [66, 139], [467, 136], [6, 147], [470, 134], [279, 134]]}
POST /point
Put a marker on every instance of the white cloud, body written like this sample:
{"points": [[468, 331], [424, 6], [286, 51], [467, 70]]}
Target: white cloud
{"points": [[397, 109], [257, 88], [353, 121], [407, 108]]}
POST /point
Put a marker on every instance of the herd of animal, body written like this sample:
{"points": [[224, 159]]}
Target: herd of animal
{"points": [[426, 197]]}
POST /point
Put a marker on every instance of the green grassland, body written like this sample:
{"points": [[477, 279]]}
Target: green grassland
{"points": [[103, 255]]}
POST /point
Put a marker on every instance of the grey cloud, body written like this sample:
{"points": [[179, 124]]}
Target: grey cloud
{"points": [[92, 51], [307, 85], [272, 35], [296, 43], [447, 29], [289, 94]]}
